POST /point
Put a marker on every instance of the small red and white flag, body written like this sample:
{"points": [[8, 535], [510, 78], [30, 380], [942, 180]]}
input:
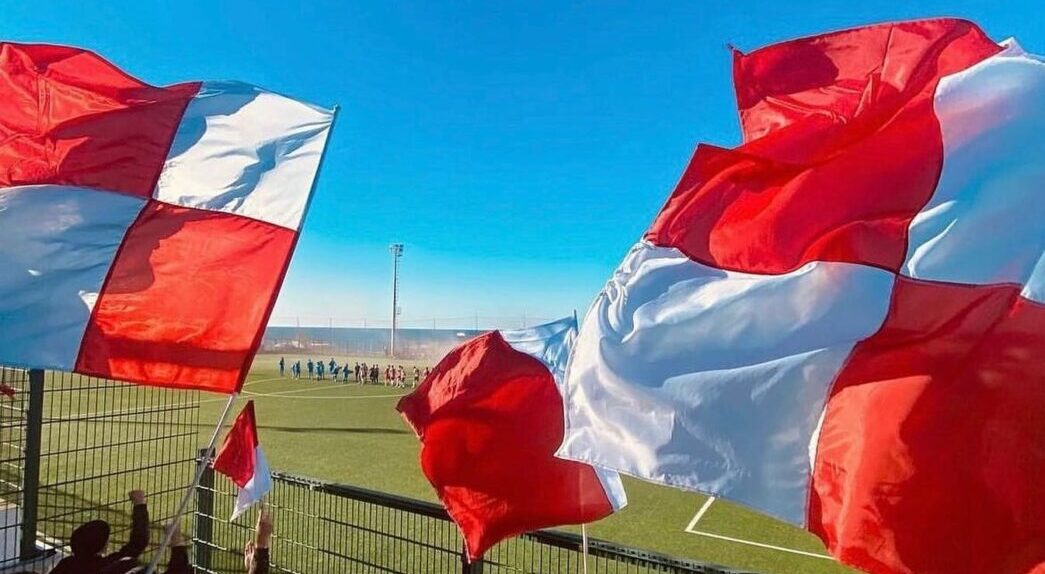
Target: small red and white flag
{"points": [[241, 459], [490, 418]]}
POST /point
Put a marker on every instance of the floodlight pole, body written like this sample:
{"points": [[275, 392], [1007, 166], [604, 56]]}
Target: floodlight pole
{"points": [[396, 249]]}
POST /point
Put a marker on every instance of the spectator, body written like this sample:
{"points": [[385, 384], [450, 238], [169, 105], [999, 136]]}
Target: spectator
{"points": [[89, 540]]}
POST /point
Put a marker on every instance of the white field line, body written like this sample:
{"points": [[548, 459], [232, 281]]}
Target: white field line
{"points": [[691, 529], [700, 513]]}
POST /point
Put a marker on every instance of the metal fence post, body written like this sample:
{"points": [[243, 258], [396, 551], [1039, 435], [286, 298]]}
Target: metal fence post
{"points": [[471, 567], [204, 512], [31, 472]]}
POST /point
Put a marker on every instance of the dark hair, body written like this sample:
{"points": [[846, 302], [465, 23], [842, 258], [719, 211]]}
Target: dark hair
{"points": [[90, 538]]}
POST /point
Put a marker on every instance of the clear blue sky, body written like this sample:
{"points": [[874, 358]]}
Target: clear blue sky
{"points": [[516, 148]]}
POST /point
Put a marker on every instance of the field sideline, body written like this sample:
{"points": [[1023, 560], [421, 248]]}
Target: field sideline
{"points": [[346, 426]]}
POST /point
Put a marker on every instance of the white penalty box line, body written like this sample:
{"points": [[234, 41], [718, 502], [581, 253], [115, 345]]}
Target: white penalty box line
{"points": [[691, 528]]}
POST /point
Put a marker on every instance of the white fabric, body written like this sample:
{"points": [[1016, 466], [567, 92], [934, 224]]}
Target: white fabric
{"points": [[259, 485], [985, 224], [711, 380], [57, 244], [551, 344], [246, 151]]}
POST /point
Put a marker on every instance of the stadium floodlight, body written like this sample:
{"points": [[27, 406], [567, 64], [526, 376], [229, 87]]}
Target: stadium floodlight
{"points": [[396, 249]]}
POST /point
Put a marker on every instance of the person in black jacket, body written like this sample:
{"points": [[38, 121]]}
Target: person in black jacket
{"points": [[90, 539], [177, 564]]}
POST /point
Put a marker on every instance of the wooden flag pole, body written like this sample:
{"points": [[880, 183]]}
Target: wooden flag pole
{"points": [[200, 468]]}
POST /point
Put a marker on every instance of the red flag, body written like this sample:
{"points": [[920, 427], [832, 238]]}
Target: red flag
{"points": [[7, 391], [840, 322], [241, 459], [490, 419]]}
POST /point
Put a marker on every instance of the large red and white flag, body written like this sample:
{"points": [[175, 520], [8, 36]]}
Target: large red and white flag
{"points": [[144, 231], [841, 322], [490, 418], [241, 459]]}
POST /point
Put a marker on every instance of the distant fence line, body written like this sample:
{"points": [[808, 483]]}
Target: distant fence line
{"points": [[415, 338], [463, 322]]}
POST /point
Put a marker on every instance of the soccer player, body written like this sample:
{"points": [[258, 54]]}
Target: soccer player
{"points": [[311, 367], [281, 364], [417, 376]]}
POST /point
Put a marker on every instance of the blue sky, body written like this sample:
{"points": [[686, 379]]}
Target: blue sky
{"points": [[516, 148]]}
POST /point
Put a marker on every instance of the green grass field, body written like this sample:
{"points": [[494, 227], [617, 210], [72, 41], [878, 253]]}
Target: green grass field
{"points": [[353, 435]]}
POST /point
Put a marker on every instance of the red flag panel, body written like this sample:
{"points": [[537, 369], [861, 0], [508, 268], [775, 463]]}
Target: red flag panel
{"points": [[931, 455], [188, 284], [237, 457], [72, 118], [847, 159]]}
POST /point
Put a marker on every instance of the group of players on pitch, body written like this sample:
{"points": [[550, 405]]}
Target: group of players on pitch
{"points": [[394, 376]]}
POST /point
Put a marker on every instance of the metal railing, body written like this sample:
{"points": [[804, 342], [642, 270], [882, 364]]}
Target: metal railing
{"points": [[327, 528]]}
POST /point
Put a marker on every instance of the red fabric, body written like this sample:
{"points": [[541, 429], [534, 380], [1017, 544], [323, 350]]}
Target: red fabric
{"points": [[490, 420], [842, 151], [237, 456], [7, 391], [69, 117], [186, 298], [932, 453]]}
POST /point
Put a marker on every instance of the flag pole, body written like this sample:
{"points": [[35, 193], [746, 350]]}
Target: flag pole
{"points": [[200, 468], [584, 546]]}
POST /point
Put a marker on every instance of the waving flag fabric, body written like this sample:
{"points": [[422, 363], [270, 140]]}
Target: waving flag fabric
{"points": [[841, 322], [490, 418], [241, 459], [144, 231]]}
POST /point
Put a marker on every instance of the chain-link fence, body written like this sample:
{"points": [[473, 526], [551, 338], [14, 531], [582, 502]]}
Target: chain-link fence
{"points": [[331, 528], [73, 447]]}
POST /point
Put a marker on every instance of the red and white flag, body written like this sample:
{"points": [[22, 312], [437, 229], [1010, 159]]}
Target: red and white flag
{"points": [[490, 418], [841, 322], [241, 459], [145, 230]]}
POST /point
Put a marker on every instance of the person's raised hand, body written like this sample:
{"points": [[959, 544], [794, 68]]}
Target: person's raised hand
{"points": [[137, 497], [248, 556], [264, 528]]}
